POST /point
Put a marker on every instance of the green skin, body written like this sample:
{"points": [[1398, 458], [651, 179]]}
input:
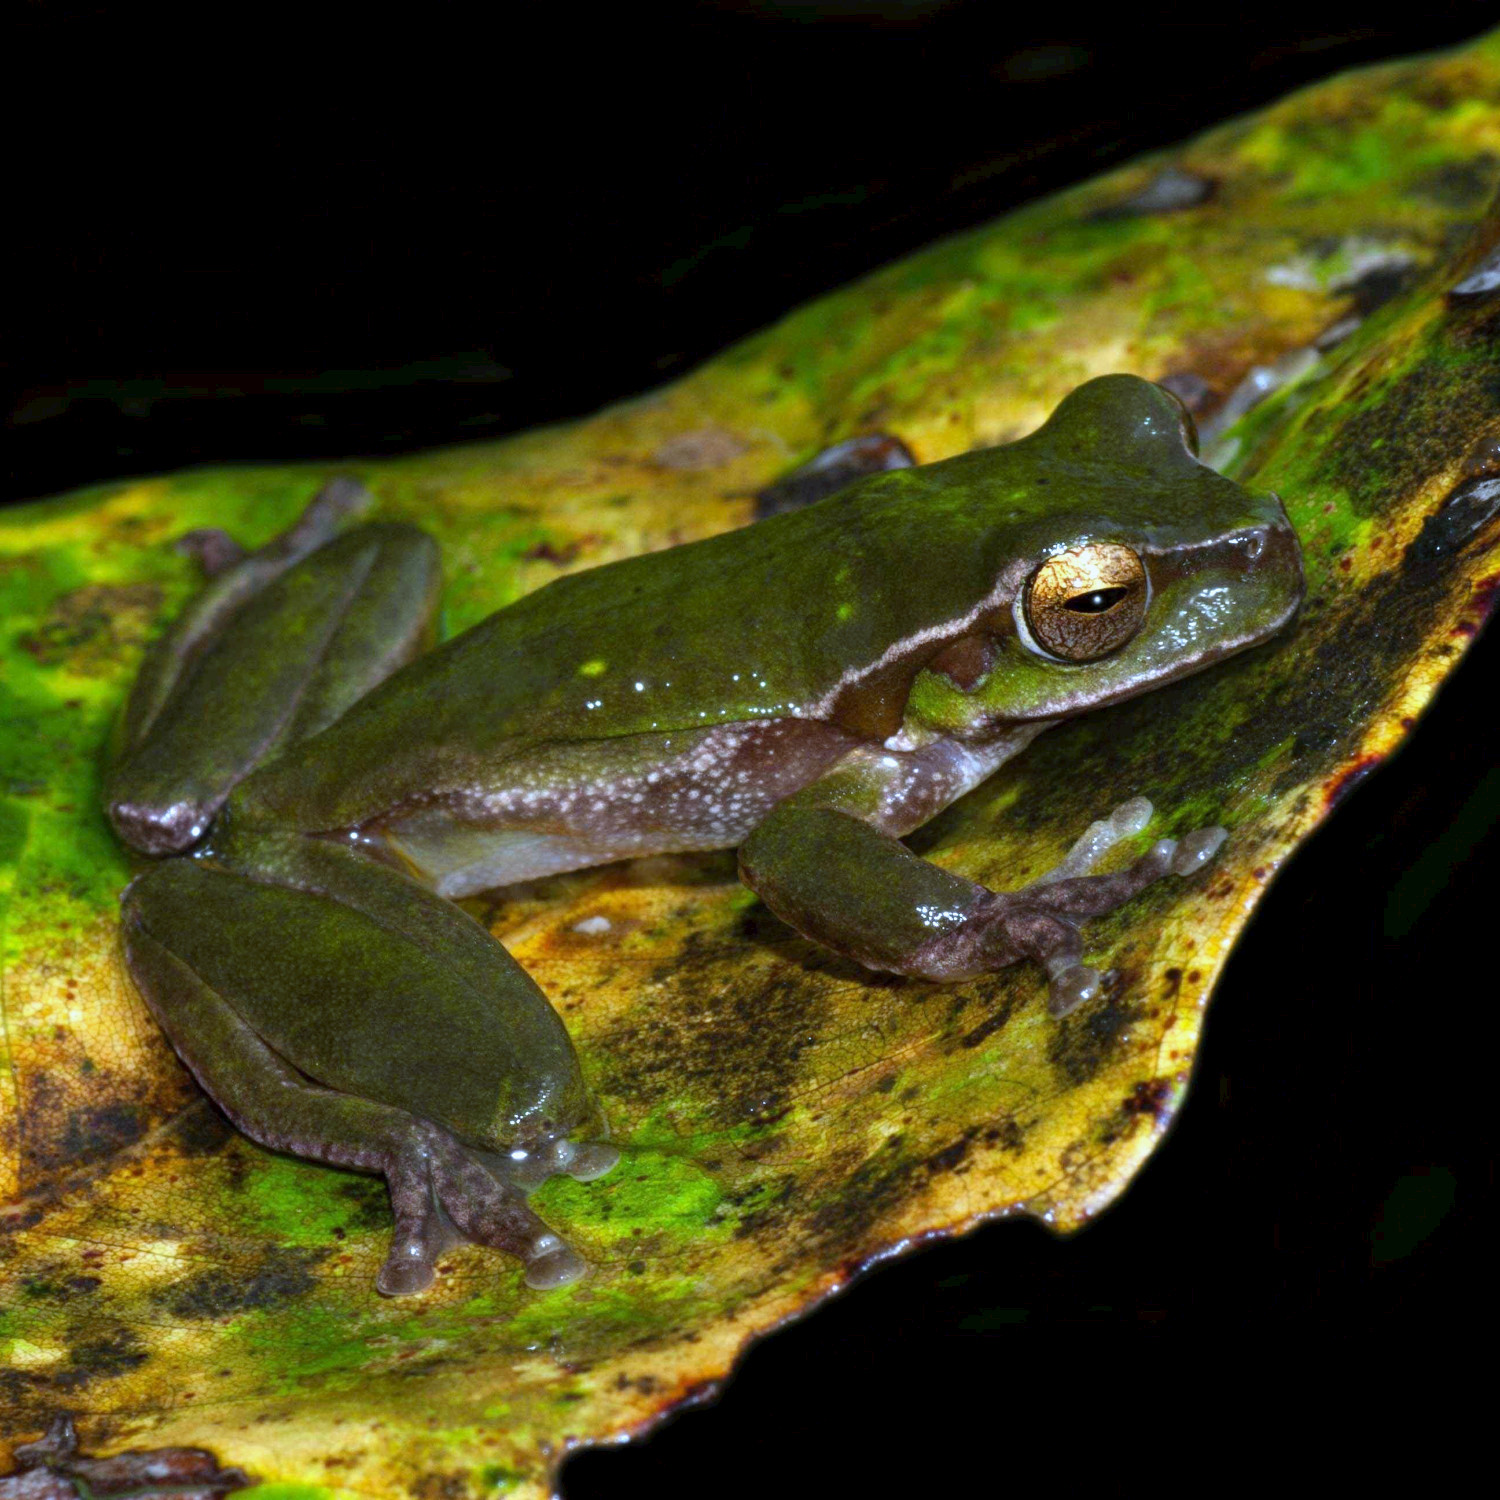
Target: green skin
{"points": [[808, 690]]}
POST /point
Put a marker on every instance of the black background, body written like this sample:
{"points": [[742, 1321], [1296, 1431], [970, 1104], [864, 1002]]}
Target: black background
{"points": [[254, 234]]}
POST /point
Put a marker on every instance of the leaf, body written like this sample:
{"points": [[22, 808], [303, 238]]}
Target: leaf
{"points": [[786, 1117]]}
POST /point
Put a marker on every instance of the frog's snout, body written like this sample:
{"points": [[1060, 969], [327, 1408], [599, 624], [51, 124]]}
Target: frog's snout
{"points": [[1273, 555]]}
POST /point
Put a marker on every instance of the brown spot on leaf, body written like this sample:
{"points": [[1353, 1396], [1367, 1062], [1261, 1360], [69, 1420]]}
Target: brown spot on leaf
{"points": [[90, 629], [560, 557], [57, 1286], [705, 448], [280, 1275], [992, 1023], [105, 1352], [52, 1468], [59, 1134], [1006, 1134], [1150, 1096], [1348, 779], [438, 1486], [200, 1130], [737, 1048], [1085, 1041]]}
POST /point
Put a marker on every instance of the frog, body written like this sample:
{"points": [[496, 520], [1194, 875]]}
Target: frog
{"points": [[313, 782]]}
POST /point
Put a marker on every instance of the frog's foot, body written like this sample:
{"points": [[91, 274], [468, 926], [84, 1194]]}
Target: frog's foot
{"points": [[441, 1193], [215, 551], [861, 892], [212, 548], [1042, 920]]}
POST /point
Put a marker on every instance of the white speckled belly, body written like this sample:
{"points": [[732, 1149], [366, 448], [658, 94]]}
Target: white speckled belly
{"points": [[571, 806], [566, 807]]}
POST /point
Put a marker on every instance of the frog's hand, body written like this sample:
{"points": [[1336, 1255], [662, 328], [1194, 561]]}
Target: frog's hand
{"points": [[421, 1049], [276, 647], [847, 885]]}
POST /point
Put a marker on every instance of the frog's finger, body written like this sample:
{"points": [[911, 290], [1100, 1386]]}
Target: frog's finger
{"points": [[1070, 986], [1097, 840], [422, 1231], [441, 1193], [591, 1160], [1083, 896], [527, 1169]]}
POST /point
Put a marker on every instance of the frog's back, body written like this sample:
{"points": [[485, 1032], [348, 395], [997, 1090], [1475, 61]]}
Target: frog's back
{"points": [[766, 623], [757, 623], [752, 625]]}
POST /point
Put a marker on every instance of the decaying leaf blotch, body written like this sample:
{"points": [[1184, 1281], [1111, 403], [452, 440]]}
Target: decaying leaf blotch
{"points": [[785, 1116]]}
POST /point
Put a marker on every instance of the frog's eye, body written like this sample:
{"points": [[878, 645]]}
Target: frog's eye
{"points": [[1088, 601]]}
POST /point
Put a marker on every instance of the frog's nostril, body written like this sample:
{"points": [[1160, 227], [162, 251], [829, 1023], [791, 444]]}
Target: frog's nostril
{"points": [[1270, 545]]}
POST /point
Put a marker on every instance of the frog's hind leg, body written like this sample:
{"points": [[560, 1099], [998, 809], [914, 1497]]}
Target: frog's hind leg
{"points": [[234, 577], [438, 1189], [278, 645]]}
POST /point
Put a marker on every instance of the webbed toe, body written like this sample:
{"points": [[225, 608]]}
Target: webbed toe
{"points": [[553, 1264]]}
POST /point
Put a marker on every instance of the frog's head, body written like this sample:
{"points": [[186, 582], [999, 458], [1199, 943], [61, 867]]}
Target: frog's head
{"points": [[1125, 562]]}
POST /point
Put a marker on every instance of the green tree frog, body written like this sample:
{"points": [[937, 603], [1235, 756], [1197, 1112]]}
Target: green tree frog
{"points": [[806, 690]]}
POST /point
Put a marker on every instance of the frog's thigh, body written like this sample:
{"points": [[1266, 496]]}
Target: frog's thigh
{"points": [[435, 1183], [284, 662], [371, 985]]}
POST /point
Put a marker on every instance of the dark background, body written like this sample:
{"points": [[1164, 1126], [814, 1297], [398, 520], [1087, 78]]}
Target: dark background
{"points": [[265, 235]]}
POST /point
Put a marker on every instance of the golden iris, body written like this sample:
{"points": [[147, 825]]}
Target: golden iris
{"points": [[1088, 601]]}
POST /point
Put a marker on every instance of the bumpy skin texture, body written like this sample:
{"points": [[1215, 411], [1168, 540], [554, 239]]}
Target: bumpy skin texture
{"points": [[809, 689]]}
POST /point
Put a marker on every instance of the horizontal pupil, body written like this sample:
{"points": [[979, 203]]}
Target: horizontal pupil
{"points": [[1097, 602]]}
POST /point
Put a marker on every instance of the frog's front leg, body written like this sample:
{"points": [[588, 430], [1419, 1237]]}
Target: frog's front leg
{"points": [[824, 865]]}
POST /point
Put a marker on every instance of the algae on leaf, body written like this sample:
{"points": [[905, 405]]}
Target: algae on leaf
{"points": [[785, 1116]]}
